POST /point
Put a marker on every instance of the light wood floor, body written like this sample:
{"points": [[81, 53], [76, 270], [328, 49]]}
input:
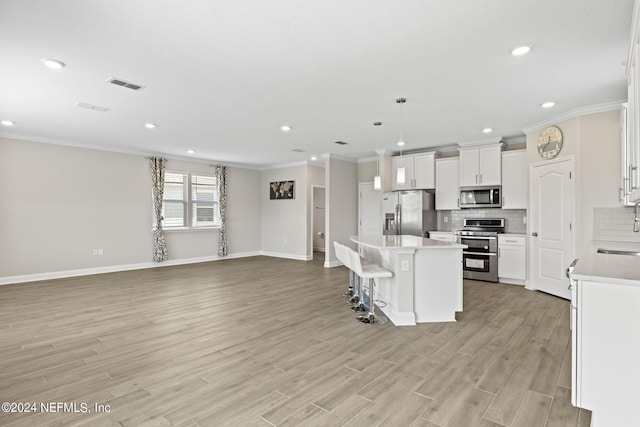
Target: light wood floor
{"points": [[264, 341]]}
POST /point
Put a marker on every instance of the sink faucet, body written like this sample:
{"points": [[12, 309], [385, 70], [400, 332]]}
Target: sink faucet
{"points": [[636, 220]]}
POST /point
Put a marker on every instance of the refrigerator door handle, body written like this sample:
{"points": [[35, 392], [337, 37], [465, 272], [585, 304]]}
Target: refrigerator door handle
{"points": [[398, 219]]}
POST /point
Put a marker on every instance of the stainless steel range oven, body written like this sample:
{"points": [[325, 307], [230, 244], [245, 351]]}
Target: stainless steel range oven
{"points": [[480, 259]]}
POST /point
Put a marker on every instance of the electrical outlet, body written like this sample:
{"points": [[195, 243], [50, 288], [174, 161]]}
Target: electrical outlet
{"points": [[446, 219], [95, 252], [100, 252], [524, 219], [404, 265]]}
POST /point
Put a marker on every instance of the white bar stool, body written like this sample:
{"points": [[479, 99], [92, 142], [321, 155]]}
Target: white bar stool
{"points": [[354, 291], [369, 272]]}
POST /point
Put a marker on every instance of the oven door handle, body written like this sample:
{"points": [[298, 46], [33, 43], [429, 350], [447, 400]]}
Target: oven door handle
{"points": [[479, 253], [478, 237]]}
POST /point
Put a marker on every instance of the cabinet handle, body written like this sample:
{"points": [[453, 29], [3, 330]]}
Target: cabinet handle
{"points": [[511, 241], [499, 253], [476, 178], [480, 178], [631, 180]]}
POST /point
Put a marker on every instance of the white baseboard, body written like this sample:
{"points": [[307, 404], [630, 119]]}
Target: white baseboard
{"points": [[511, 281], [287, 256], [116, 268], [331, 264]]}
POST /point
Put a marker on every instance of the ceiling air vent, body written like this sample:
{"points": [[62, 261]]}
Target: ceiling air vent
{"points": [[340, 143], [298, 150], [92, 107], [124, 83]]}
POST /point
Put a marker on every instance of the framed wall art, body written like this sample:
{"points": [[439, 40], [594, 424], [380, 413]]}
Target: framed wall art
{"points": [[281, 190]]}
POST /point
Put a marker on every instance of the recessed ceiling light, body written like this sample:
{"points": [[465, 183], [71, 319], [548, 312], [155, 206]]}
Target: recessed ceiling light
{"points": [[400, 143], [150, 125], [7, 123], [521, 50], [487, 130], [53, 63], [314, 158], [190, 151], [285, 128], [548, 104]]}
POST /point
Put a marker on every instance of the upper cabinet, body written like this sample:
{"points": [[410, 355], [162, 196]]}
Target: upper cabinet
{"points": [[447, 188], [480, 165], [631, 133], [515, 189], [419, 171]]}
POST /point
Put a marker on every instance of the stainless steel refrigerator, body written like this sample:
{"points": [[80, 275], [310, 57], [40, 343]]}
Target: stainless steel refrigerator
{"points": [[409, 212]]}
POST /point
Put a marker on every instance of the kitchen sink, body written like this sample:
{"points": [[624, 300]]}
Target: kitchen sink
{"points": [[617, 252]]}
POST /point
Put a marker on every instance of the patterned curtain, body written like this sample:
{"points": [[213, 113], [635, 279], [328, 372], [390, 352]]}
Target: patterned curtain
{"points": [[158, 165], [221, 179]]}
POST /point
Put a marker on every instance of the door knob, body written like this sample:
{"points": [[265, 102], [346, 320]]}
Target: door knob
{"points": [[534, 234]]}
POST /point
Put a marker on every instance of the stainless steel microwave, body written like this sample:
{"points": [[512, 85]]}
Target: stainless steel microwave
{"points": [[481, 197]]}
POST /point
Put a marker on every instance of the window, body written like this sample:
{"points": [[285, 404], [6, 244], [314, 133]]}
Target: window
{"points": [[190, 201]]}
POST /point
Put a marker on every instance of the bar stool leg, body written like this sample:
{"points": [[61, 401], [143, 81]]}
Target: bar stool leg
{"points": [[357, 299], [371, 317], [350, 292]]}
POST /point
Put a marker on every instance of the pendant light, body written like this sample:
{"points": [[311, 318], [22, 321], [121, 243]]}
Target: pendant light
{"points": [[377, 181], [400, 174]]}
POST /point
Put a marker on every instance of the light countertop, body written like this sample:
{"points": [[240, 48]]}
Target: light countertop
{"points": [[403, 242], [609, 268]]}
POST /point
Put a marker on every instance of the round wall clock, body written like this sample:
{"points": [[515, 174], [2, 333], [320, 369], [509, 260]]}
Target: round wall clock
{"points": [[549, 142]]}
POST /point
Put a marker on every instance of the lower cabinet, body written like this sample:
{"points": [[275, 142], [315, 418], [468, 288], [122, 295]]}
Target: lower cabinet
{"points": [[606, 351], [512, 258]]}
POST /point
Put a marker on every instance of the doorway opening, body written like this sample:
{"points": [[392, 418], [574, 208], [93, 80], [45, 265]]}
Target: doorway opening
{"points": [[318, 219]]}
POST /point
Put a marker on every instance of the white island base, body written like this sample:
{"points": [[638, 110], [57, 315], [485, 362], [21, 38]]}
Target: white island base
{"points": [[427, 277]]}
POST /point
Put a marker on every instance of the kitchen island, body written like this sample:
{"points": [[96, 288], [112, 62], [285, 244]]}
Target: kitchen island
{"points": [[427, 277]]}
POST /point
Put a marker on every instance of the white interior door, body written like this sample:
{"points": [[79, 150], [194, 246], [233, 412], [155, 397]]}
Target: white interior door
{"points": [[369, 210], [551, 219]]}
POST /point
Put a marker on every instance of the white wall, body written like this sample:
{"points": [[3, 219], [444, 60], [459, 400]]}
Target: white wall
{"points": [[243, 217], [58, 203], [342, 205], [285, 223], [367, 171]]}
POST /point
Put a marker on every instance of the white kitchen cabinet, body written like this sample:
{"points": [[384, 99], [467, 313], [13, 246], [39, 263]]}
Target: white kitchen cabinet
{"points": [[605, 296], [631, 139], [480, 165], [443, 236], [447, 188], [515, 186], [419, 171], [512, 258], [606, 351]]}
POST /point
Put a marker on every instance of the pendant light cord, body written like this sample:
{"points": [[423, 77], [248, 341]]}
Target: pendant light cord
{"points": [[401, 142], [377, 124]]}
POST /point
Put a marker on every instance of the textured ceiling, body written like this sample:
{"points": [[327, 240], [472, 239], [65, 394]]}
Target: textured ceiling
{"points": [[221, 77]]}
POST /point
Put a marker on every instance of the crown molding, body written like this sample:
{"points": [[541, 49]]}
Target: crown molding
{"points": [[484, 141], [138, 153], [383, 152], [284, 165], [572, 114]]}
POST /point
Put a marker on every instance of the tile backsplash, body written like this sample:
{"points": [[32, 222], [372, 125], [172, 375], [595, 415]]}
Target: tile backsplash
{"points": [[514, 218], [614, 224]]}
